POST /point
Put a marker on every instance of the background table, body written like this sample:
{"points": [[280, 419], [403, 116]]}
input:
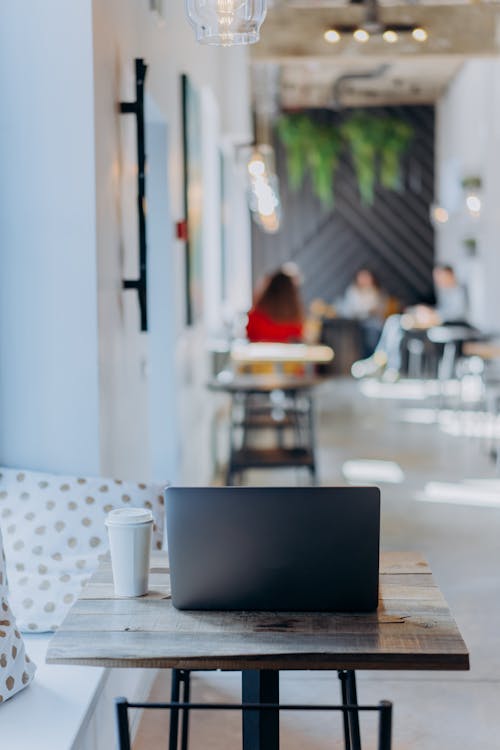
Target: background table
{"points": [[278, 402]]}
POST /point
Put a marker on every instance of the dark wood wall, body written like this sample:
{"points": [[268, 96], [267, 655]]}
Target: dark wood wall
{"points": [[393, 237]]}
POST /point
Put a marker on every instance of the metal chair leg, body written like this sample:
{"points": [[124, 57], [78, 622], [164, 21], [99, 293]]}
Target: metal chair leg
{"points": [[122, 726], [385, 726]]}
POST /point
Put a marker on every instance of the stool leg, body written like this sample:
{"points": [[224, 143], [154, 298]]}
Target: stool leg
{"points": [[122, 724], [347, 734], [186, 678], [174, 712]]}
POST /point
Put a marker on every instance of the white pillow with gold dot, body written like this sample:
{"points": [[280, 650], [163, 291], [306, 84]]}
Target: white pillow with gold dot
{"points": [[16, 668], [54, 534]]}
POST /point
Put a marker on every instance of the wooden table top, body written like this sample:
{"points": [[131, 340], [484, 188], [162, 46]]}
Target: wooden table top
{"points": [[276, 353], [412, 629]]}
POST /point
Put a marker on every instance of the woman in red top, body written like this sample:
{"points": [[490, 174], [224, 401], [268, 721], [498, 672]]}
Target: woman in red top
{"points": [[277, 314]]}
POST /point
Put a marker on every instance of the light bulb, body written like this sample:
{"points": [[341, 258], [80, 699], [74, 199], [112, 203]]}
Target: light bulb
{"points": [[473, 203], [256, 166], [332, 36], [390, 36], [226, 22], [439, 214], [419, 34], [361, 35]]}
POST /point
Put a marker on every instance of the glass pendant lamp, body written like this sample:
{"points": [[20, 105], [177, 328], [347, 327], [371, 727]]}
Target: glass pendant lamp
{"points": [[226, 22]]}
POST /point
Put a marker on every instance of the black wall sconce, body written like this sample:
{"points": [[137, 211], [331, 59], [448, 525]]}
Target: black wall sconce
{"points": [[137, 108]]}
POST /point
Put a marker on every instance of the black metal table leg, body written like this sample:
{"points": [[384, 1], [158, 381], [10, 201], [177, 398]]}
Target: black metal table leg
{"points": [[347, 734], [260, 728], [352, 699]]}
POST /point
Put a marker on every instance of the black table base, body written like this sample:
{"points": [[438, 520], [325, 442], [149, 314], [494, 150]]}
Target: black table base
{"points": [[261, 730]]}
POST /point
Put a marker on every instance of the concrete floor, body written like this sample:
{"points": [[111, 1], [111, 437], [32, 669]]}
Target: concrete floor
{"points": [[460, 538]]}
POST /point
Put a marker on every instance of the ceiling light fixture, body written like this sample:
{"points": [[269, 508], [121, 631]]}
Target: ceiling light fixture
{"points": [[419, 34], [225, 23], [332, 36], [373, 26], [390, 36], [361, 35]]}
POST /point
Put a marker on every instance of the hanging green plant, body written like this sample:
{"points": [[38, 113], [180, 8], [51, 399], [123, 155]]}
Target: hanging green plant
{"points": [[396, 140], [294, 134], [323, 160], [364, 137], [377, 145], [310, 146]]}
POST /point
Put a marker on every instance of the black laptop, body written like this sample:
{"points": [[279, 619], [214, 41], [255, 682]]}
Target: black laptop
{"points": [[292, 549]]}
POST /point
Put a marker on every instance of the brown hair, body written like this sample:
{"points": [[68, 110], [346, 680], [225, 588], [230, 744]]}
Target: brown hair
{"points": [[279, 298]]}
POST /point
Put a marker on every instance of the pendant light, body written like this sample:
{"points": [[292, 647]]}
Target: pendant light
{"points": [[263, 189], [226, 22]]}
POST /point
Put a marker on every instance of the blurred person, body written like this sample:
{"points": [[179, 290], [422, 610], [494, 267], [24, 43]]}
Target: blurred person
{"points": [[277, 313], [364, 297], [451, 307], [365, 301]]}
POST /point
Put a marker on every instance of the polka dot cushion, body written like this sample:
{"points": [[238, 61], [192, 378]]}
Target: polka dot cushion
{"points": [[16, 669], [54, 534]]}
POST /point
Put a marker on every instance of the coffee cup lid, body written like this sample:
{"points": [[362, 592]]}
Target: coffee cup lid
{"points": [[128, 516]]}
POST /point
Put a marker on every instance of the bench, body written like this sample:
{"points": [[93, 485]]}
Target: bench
{"points": [[68, 707]]}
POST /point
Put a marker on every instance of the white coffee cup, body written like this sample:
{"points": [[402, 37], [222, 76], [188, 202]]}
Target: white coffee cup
{"points": [[129, 531]]}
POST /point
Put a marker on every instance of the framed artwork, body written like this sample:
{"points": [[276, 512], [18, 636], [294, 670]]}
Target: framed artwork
{"points": [[193, 194]]}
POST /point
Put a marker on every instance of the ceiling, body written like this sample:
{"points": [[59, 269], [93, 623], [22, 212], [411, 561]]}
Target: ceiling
{"points": [[295, 65]]}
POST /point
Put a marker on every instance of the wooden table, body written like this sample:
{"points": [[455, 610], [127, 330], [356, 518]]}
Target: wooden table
{"points": [[413, 629]]}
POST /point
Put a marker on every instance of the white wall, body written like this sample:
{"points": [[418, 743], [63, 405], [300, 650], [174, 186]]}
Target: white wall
{"points": [[123, 30], [48, 313], [468, 144], [81, 389]]}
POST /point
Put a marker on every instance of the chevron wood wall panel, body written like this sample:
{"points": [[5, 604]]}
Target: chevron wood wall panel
{"points": [[393, 237]]}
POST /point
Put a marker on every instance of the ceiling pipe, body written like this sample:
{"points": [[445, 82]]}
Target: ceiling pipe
{"points": [[369, 75]]}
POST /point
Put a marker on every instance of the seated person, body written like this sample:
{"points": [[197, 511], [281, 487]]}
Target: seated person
{"points": [[451, 308], [365, 301], [277, 314]]}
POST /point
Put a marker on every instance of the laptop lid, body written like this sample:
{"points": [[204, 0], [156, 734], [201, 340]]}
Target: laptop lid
{"points": [[274, 548]]}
